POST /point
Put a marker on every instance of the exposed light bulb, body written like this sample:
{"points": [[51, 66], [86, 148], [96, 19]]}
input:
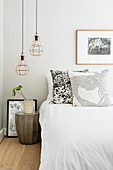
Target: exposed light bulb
{"points": [[22, 60]]}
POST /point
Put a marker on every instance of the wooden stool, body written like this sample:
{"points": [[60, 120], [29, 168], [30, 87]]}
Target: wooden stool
{"points": [[27, 126]]}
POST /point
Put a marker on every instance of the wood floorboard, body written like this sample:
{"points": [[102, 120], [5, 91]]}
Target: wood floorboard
{"points": [[15, 156]]}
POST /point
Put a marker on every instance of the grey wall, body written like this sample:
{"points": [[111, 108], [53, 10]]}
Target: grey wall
{"points": [[1, 64], [58, 21]]}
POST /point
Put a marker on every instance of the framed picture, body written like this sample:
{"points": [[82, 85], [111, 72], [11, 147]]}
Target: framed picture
{"points": [[14, 106], [94, 47]]}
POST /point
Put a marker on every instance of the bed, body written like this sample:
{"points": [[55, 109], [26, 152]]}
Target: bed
{"points": [[76, 138]]}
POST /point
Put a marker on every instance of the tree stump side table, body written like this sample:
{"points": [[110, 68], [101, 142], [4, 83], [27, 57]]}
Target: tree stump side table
{"points": [[27, 126]]}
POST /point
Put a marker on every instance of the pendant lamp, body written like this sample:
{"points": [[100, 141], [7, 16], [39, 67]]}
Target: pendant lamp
{"points": [[22, 67], [36, 48]]}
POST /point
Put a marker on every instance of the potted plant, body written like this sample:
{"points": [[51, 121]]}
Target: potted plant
{"points": [[28, 104]]}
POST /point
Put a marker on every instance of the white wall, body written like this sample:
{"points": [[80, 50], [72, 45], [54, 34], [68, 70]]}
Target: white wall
{"points": [[58, 21], [1, 64]]}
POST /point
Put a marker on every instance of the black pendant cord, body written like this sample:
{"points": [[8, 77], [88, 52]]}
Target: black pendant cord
{"points": [[22, 26], [36, 15]]}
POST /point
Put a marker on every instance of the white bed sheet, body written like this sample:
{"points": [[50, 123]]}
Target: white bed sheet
{"points": [[76, 138]]}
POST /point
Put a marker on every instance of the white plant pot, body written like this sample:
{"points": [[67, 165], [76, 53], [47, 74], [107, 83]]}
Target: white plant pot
{"points": [[28, 106]]}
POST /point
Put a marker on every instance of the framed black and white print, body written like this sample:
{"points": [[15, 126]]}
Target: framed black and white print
{"points": [[14, 106], [94, 47]]}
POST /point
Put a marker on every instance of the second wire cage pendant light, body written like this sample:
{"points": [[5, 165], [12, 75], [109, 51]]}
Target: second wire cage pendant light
{"points": [[22, 67], [36, 48]]}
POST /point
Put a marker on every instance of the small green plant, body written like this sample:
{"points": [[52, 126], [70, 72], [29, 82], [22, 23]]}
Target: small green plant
{"points": [[19, 91]]}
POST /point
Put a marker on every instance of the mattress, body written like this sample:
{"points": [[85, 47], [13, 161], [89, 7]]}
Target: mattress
{"points": [[76, 138]]}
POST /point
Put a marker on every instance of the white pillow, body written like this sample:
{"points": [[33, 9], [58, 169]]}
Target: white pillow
{"points": [[73, 73], [89, 89], [50, 87]]}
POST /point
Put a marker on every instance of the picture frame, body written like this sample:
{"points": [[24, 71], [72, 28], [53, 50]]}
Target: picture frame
{"points": [[13, 106], [94, 47]]}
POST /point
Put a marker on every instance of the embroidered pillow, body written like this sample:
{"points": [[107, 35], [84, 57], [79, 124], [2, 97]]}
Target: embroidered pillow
{"points": [[62, 91], [90, 89]]}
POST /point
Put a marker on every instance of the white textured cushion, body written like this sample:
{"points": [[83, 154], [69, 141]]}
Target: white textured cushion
{"points": [[89, 89]]}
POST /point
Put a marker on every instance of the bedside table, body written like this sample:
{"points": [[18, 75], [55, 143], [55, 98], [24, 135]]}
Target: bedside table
{"points": [[27, 126]]}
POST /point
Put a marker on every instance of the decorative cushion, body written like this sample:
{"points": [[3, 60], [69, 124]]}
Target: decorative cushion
{"points": [[62, 92], [89, 89], [61, 87]]}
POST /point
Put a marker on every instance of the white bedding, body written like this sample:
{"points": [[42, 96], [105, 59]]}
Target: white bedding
{"points": [[76, 138]]}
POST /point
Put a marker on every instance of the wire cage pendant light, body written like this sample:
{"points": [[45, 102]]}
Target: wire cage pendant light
{"points": [[36, 48], [22, 68]]}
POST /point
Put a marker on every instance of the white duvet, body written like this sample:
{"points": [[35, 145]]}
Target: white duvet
{"points": [[76, 138]]}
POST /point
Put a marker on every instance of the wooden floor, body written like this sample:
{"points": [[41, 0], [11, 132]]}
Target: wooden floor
{"points": [[15, 156]]}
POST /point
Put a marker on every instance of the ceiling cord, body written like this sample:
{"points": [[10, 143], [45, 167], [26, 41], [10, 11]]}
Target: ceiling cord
{"points": [[36, 15], [22, 26]]}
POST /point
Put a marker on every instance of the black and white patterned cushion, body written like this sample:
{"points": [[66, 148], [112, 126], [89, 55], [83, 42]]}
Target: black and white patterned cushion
{"points": [[62, 91], [90, 89]]}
